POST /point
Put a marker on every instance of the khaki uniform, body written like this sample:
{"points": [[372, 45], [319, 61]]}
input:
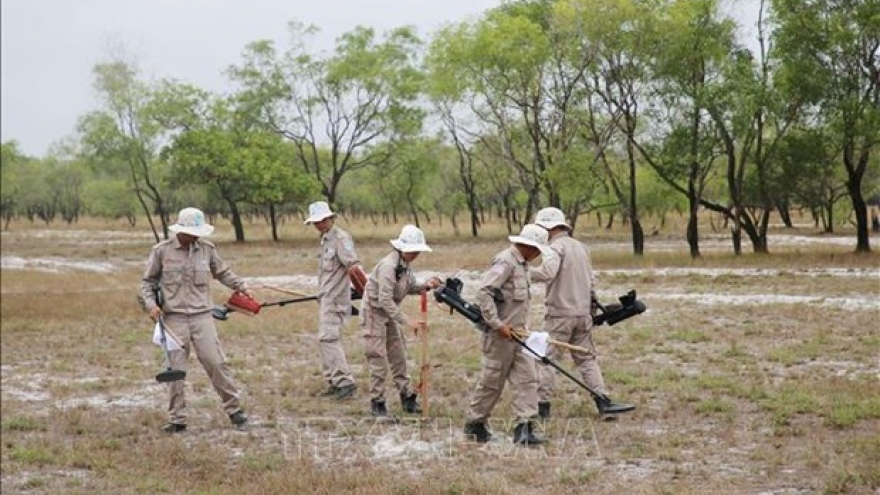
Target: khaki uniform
{"points": [[504, 298], [569, 277], [334, 294], [185, 278], [383, 323]]}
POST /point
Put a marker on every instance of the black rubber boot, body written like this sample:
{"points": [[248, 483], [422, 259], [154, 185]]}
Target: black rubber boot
{"points": [[544, 409], [607, 406], [524, 434], [410, 404], [477, 431], [174, 428], [330, 391], [238, 418], [377, 408], [345, 391]]}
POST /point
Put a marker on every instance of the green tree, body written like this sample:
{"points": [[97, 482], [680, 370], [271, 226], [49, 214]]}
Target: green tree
{"points": [[447, 89], [239, 166], [124, 134], [110, 198], [830, 56], [682, 149], [12, 179], [806, 159], [617, 33], [356, 103]]}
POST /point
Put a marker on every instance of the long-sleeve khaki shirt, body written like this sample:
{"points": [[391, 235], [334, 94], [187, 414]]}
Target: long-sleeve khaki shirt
{"points": [[568, 277], [185, 276], [337, 257], [503, 295], [386, 289]]}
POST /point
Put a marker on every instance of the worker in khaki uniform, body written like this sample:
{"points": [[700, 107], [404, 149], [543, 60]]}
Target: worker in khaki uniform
{"points": [[183, 267], [334, 294], [503, 297], [570, 295], [383, 321]]}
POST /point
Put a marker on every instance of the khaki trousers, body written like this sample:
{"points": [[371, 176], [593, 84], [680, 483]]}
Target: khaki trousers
{"points": [[197, 332], [385, 348], [503, 360], [333, 362], [576, 330]]}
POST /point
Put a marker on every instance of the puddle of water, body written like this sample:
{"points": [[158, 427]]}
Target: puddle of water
{"points": [[53, 265], [764, 299]]}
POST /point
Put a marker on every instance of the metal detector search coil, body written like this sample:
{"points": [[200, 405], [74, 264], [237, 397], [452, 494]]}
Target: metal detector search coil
{"points": [[241, 302], [615, 313], [450, 294]]}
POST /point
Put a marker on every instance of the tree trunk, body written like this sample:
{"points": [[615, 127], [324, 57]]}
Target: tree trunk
{"points": [[273, 222], [860, 208], [784, 214], [693, 229], [236, 220]]}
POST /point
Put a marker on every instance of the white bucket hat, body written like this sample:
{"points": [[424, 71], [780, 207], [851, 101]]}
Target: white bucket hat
{"points": [[531, 235], [318, 211], [550, 218], [192, 221], [411, 240]]}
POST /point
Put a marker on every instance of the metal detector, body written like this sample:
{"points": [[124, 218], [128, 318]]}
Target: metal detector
{"points": [[615, 313], [222, 312], [450, 294], [168, 374]]}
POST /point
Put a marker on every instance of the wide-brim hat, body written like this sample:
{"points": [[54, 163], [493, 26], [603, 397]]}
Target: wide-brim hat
{"points": [[192, 221], [531, 235], [319, 211], [550, 218], [552, 225], [410, 248], [516, 239], [411, 240]]}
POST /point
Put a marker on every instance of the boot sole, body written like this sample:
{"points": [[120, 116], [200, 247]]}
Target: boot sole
{"points": [[530, 444]]}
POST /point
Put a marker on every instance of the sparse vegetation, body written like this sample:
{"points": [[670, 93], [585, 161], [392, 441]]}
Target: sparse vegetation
{"points": [[734, 395]]}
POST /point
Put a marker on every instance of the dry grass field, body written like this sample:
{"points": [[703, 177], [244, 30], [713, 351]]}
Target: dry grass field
{"points": [[752, 375]]}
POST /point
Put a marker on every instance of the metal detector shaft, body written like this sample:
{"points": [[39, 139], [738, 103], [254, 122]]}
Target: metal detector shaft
{"points": [[222, 312], [450, 294], [164, 338], [168, 374], [289, 301], [547, 361]]}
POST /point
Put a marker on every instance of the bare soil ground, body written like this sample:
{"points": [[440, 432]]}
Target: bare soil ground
{"points": [[752, 375]]}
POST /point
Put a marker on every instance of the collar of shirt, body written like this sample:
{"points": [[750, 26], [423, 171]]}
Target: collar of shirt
{"points": [[518, 255], [177, 245], [326, 235], [559, 235]]}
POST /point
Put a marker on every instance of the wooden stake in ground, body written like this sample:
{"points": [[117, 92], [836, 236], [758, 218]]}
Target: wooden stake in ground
{"points": [[425, 369]]}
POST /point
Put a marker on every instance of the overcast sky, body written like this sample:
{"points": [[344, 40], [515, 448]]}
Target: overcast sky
{"points": [[50, 46]]}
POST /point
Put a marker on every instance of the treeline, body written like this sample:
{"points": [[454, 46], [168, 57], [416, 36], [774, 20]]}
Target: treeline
{"points": [[632, 108]]}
